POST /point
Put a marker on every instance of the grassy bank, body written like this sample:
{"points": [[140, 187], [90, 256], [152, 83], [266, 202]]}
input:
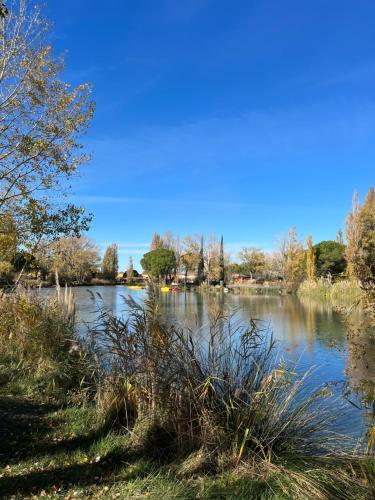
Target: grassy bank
{"points": [[53, 452], [339, 294], [155, 412]]}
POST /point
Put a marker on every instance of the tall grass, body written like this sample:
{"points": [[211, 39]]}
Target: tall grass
{"points": [[340, 293], [224, 397], [39, 347], [221, 402], [204, 404]]}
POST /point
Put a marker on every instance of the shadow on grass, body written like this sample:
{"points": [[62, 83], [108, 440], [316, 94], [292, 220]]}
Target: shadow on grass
{"points": [[25, 433], [70, 476], [22, 428]]}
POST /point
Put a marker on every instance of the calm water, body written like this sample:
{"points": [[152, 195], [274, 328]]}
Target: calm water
{"points": [[309, 334]]}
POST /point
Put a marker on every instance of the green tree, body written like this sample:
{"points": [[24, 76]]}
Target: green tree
{"points": [[40, 222], [24, 260], [110, 262], [130, 272], [159, 263], [200, 270], [330, 258]]}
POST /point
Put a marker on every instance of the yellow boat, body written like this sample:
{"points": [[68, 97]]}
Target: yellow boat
{"points": [[136, 287], [165, 289]]}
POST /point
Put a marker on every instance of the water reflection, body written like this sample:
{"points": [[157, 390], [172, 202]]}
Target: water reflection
{"points": [[310, 334], [361, 362]]}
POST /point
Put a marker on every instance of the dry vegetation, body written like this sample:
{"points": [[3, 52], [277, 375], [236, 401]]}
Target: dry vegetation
{"points": [[212, 418]]}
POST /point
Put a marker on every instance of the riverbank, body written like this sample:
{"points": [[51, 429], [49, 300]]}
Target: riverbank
{"points": [[53, 452], [70, 430], [340, 294]]}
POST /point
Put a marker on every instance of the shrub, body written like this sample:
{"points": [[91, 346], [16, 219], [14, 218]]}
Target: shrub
{"points": [[339, 293], [39, 348], [225, 395]]}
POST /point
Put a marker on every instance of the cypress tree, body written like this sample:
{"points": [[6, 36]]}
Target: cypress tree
{"points": [[200, 272], [221, 262], [130, 272]]}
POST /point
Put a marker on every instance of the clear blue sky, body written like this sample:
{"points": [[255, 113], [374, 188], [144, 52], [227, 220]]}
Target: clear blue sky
{"points": [[235, 117]]}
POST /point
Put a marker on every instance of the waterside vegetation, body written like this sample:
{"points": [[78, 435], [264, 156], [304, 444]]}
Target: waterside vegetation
{"points": [[157, 410]]}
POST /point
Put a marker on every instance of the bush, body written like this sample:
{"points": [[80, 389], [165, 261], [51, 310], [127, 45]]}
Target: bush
{"points": [[339, 293], [223, 396], [39, 349]]}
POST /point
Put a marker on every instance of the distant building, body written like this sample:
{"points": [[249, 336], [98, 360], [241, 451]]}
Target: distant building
{"points": [[243, 279]]}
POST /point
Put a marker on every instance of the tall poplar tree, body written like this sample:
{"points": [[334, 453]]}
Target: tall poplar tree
{"points": [[310, 260], [353, 236], [292, 257], [340, 237], [110, 262], [366, 268], [157, 242]]}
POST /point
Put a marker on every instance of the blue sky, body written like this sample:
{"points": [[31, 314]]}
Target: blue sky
{"points": [[241, 118]]}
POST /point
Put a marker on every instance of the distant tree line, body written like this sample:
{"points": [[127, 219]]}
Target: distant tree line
{"points": [[77, 259], [293, 262], [171, 258]]}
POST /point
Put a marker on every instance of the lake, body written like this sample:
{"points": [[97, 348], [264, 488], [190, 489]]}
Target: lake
{"points": [[309, 335]]}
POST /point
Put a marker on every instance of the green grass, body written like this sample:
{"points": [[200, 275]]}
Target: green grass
{"points": [[63, 453], [170, 420], [53, 452]]}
